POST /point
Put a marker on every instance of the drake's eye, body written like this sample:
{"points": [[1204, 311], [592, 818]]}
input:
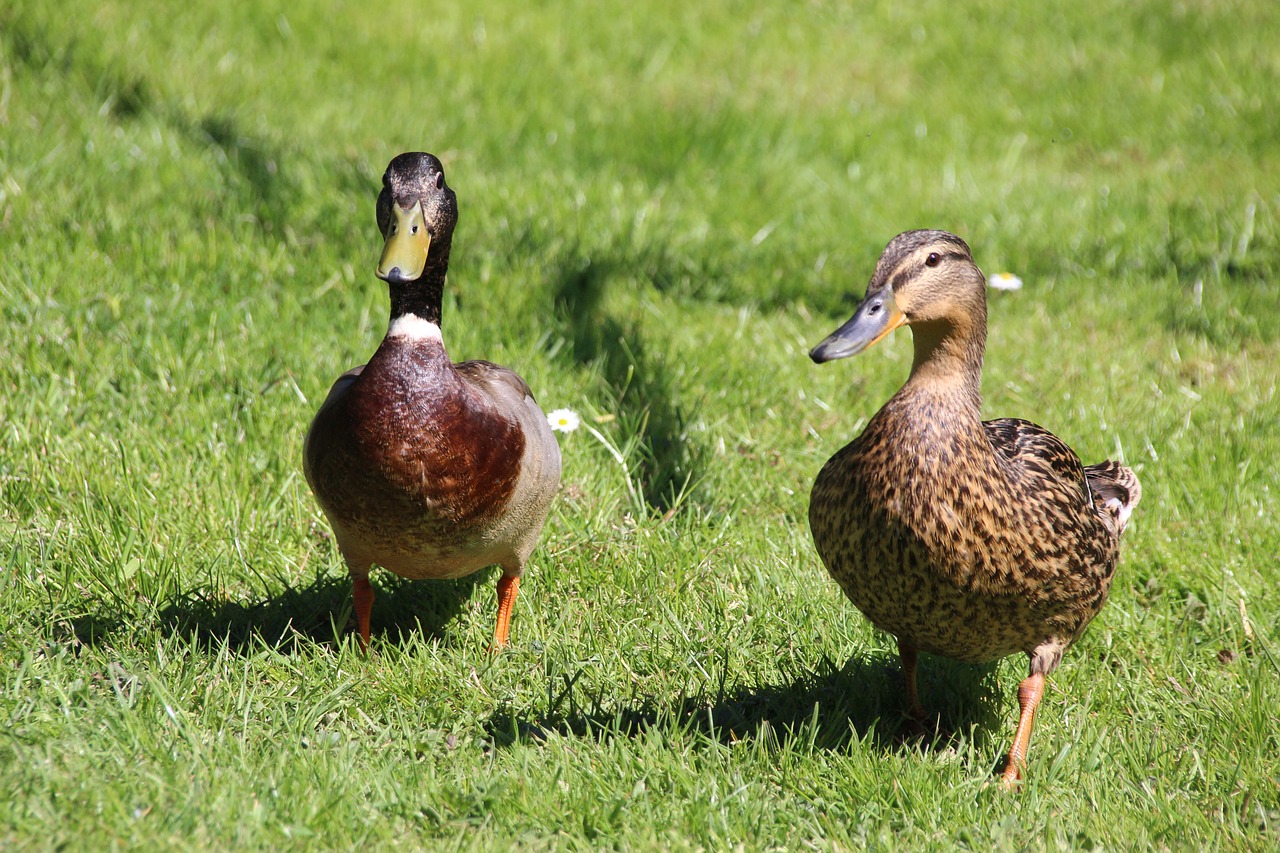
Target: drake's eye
{"points": [[932, 260], [439, 180]]}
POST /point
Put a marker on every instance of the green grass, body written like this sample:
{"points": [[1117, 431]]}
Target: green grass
{"points": [[663, 205]]}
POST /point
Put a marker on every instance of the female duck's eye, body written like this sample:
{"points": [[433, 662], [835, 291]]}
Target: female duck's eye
{"points": [[932, 260], [439, 180]]}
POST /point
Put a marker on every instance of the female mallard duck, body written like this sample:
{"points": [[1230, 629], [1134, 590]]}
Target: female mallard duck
{"points": [[425, 467], [961, 538]]}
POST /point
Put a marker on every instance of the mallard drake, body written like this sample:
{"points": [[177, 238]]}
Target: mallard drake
{"points": [[963, 538], [427, 468]]}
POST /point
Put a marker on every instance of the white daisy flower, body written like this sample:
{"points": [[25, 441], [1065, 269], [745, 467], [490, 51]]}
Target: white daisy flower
{"points": [[1005, 281], [564, 420]]}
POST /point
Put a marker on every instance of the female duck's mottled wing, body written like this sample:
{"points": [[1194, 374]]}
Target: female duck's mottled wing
{"points": [[1038, 453], [1109, 488]]}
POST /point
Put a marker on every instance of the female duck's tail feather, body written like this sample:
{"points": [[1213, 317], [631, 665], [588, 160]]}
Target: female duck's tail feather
{"points": [[1115, 493]]}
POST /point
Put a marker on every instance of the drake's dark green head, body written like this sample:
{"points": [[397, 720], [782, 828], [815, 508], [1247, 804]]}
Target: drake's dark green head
{"points": [[416, 215], [923, 279]]}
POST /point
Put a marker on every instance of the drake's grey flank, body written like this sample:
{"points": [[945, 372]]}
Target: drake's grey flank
{"points": [[969, 539], [425, 467]]}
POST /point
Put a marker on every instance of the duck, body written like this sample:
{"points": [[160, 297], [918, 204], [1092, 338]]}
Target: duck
{"points": [[422, 466], [974, 540]]}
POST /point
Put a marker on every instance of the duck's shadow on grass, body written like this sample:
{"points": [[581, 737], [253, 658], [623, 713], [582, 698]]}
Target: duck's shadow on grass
{"points": [[646, 394], [827, 709], [320, 613]]}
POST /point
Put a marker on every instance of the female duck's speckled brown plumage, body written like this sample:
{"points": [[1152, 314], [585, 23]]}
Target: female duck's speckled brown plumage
{"points": [[961, 538], [425, 467]]}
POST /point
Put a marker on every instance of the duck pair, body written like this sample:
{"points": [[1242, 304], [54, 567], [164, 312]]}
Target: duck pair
{"points": [[963, 538]]}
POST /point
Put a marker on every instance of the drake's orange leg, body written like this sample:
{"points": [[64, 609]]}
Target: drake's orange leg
{"points": [[362, 600], [1030, 692], [508, 588]]}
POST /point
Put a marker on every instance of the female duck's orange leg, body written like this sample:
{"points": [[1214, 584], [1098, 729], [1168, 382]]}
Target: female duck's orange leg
{"points": [[508, 589], [910, 656], [1030, 691]]}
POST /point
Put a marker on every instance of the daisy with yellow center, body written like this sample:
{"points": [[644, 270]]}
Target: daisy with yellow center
{"points": [[564, 420], [1005, 281]]}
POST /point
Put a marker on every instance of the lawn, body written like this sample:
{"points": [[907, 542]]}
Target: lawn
{"points": [[663, 206]]}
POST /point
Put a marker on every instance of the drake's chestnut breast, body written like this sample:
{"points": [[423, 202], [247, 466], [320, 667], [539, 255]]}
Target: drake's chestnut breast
{"points": [[444, 460]]}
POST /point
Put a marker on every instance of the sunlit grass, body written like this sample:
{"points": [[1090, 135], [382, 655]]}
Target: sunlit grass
{"points": [[662, 207]]}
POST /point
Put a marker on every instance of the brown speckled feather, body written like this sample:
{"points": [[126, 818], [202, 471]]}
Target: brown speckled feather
{"points": [[968, 542], [969, 539]]}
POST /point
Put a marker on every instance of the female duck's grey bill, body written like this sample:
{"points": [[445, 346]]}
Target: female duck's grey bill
{"points": [[876, 317]]}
